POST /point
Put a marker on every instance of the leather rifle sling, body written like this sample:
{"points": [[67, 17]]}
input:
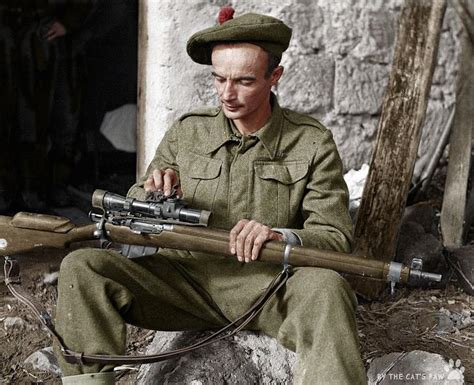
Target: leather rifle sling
{"points": [[12, 281]]}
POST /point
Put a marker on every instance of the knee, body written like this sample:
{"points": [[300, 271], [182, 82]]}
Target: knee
{"points": [[79, 262], [327, 285]]}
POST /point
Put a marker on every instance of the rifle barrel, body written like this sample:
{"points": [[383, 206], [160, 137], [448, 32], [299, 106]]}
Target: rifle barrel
{"points": [[216, 241]]}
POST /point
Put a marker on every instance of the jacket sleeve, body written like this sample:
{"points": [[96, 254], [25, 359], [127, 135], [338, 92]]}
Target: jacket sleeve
{"points": [[325, 209], [165, 157]]}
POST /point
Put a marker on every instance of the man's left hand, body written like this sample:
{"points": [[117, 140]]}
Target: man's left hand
{"points": [[247, 238]]}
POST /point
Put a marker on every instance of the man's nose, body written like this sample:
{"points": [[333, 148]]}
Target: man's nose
{"points": [[228, 93]]}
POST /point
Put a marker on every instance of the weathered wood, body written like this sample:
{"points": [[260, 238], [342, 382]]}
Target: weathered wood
{"points": [[454, 216], [399, 133]]}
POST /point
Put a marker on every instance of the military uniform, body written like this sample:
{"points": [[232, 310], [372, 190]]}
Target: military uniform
{"points": [[287, 175]]}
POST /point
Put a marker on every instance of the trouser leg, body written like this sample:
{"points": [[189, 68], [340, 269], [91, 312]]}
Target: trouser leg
{"points": [[100, 290], [313, 315]]}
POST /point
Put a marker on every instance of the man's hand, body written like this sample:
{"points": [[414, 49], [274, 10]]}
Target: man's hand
{"points": [[247, 238], [56, 30], [163, 180]]}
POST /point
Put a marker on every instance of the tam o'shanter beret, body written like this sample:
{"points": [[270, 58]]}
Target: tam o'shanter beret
{"points": [[265, 31]]}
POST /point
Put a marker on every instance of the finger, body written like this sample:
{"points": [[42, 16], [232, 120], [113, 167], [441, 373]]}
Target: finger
{"points": [[179, 192], [264, 236], [234, 233], [174, 177], [169, 178], [149, 184], [241, 237], [249, 242], [158, 180]]}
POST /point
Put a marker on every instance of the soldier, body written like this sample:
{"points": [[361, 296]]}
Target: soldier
{"points": [[267, 173]]}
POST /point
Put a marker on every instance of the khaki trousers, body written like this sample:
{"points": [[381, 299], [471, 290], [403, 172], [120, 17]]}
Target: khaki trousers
{"points": [[100, 291]]}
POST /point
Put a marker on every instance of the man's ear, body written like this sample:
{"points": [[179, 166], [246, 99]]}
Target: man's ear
{"points": [[276, 75]]}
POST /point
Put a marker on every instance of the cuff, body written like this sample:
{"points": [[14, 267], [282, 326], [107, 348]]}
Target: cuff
{"points": [[289, 236]]}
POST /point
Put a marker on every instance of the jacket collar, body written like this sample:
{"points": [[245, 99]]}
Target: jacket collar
{"points": [[269, 134]]}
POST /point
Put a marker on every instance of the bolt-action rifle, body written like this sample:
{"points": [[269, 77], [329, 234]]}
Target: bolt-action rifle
{"points": [[167, 222]]}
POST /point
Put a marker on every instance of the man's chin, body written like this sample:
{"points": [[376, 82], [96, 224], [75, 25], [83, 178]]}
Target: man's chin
{"points": [[232, 113]]}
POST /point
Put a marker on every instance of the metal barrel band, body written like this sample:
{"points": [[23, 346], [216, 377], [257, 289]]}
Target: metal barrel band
{"points": [[286, 258]]}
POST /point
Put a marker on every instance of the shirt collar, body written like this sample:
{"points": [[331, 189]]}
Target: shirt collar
{"points": [[269, 134]]}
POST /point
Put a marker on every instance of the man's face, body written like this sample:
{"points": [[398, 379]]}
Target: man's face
{"points": [[239, 77]]}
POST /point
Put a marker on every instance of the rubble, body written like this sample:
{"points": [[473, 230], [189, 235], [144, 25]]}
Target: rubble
{"points": [[13, 323], [44, 360], [51, 278]]}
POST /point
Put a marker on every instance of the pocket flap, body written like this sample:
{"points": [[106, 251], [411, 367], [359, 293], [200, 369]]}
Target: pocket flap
{"points": [[201, 167], [283, 172]]}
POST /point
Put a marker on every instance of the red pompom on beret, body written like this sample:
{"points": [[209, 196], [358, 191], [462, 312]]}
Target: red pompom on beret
{"points": [[226, 13]]}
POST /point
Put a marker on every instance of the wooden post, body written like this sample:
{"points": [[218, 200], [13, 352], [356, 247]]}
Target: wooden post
{"points": [[455, 218], [399, 133]]}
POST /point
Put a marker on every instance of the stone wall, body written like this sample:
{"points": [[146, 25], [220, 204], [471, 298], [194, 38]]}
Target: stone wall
{"points": [[336, 68]]}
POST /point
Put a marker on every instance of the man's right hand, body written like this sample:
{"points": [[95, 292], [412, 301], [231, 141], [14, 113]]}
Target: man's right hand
{"points": [[163, 180]]}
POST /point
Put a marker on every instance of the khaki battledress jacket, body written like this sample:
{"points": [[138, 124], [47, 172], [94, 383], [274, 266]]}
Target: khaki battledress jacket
{"points": [[286, 175]]}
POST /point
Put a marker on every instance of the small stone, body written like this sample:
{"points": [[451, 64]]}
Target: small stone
{"points": [[434, 299], [444, 324], [51, 278], [466, 322], [466, 313], [44, 360], [451, 301], [445, 311], [13, 323]]}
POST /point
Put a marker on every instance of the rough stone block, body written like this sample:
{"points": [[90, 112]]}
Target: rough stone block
{"points": [[247, 358], [359, 86], [307, 84], [378, 36], [342, 27], [307, 21], [354, 136]]}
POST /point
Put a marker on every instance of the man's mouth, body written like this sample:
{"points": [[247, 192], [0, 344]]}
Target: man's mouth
{"points": [[231, 107]]}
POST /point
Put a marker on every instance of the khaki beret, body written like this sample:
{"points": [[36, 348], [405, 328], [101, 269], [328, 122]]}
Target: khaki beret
{"points": [[265, 31]]}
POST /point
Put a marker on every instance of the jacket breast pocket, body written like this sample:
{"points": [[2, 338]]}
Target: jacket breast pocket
{"points": [[278, 191], [199, 178]]}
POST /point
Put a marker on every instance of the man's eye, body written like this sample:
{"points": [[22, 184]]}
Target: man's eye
{"points": [[246, 82], [220, 80]]}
